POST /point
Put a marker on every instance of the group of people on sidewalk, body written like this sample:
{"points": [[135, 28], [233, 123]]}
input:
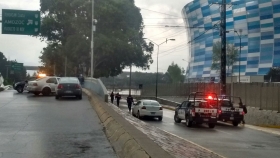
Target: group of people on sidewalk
{"points": [[118, 97]]}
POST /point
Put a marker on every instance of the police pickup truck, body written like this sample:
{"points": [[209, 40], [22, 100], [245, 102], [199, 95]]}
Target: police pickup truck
{"points": [[197, 110], [230, 108]]}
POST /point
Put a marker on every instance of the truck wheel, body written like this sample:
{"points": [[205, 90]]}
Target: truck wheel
{"points": [[160, 118], [46, 91], [19, 89], [211, 125], [176, 119], [234, 123], [188, 122]]}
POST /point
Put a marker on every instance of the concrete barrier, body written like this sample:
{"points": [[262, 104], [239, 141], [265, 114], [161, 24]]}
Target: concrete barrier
{"points": [[127, 141]]}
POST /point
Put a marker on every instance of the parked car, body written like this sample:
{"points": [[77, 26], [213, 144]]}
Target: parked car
{"points": [[147, 108], [69, 86], [45, 85]]}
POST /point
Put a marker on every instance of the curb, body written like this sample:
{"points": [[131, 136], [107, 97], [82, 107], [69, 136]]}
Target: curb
{"points": [[124, 144]]}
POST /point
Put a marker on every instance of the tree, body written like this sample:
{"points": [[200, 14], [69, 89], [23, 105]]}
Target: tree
{"points": [[273, 74], [118, 41], [3, 63], [231, 56], [175, 73]]}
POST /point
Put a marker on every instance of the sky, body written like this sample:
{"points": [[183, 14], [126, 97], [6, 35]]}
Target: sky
{"points": [[156, 14]]}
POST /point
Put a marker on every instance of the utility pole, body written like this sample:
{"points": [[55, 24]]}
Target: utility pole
{"points": [[65, 67], [223, 47], [130, 81], [93, 23]]}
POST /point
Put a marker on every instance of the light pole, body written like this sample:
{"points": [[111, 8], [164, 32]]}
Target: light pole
{"points": [[239, 35], [93, 22], [157, 59]]}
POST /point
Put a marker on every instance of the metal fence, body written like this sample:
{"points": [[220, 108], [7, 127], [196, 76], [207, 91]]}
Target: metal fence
{"points": [[265, 96]]}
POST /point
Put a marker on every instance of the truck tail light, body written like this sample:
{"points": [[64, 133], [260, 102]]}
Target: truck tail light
{"points": [[160, 108], [144, 107], [59, 86], [193, 112]]}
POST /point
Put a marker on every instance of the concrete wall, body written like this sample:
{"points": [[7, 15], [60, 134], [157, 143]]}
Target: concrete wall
{"points": [[96, 86]]}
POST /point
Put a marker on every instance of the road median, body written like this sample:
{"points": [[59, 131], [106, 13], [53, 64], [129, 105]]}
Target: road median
{"points": [[127, 141]]}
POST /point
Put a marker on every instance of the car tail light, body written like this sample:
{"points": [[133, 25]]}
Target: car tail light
{"points": [[160, 108], [35, 84], [78, 86], [144, 107], [219, 112], [242, 113], [59, 86]]}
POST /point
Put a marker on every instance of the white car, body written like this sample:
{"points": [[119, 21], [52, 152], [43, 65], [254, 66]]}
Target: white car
{"points": [[45, 85], [149, 108]]}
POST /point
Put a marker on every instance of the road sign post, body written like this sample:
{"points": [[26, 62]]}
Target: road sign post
{"points": [[21, 22]]}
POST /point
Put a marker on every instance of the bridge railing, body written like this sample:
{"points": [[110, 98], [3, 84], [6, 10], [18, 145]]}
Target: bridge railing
{"points": [[96, 86]]}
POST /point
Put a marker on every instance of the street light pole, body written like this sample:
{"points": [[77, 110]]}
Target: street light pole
{"points": [[157, 60]]}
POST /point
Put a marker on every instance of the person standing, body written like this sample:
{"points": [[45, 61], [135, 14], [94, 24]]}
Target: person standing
{"points": [[112, 95], [118, 97], [129, 100]]}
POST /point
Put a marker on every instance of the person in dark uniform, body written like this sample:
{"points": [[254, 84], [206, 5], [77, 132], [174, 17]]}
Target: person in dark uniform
{"points": [[244, 110], [112, 95], [118, 97], [129, 100]]}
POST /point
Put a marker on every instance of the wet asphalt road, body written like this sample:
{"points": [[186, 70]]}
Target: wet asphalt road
{"points": [[226, 140], [33, 127]]}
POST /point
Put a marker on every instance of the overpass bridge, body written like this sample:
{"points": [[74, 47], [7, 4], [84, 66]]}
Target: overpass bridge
{"points": [[32, 67]]}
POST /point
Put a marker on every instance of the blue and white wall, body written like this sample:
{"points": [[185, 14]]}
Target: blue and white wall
{"points": [[259, 21]]}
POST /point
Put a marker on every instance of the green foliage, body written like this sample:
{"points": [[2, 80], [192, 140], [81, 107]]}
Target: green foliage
{"points": [[16, 76], [231, 56], [175, 73], [118, 39], [273, 74]]}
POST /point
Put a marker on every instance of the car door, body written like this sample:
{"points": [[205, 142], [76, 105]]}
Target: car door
{"points": [[52, 83], [136, 107], [182, 109]]}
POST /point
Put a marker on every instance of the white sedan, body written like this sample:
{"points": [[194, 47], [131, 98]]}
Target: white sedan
{"points": [[149, 108]]}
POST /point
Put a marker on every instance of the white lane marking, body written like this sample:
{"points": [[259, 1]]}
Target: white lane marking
{"points": [[192, 143]]}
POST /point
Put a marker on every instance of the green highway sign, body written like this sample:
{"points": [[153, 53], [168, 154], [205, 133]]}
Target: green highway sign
{"points": [[17, 66], [22, 22]]}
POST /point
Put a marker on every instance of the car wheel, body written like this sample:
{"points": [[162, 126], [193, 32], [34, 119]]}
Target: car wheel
{"points": [[188, 122], [211, 125], [234, 123], [57, 97], [46, 91], [79, 97], [176, 119], [19, 89], [138, 115], [36, 93], [160, 118]]}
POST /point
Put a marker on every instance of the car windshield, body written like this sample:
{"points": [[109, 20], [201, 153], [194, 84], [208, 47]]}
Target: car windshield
{"points": [[68, 80], [40, 79], [151, 103], [225, 103]]}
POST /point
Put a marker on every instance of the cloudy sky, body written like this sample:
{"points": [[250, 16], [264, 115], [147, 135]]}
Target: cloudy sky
{"points": [[156, 14]]}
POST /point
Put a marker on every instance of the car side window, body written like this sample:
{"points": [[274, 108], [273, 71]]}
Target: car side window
{"points": [[184, 105], [138, 103], [51, 80]]}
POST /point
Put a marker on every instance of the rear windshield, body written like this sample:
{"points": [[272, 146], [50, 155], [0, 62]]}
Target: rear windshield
{"points": [[151, 103], [68, 80], [225, 103]]}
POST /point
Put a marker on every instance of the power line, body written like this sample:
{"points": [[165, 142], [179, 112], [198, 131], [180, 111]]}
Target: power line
{"points": [[160, 13]]}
